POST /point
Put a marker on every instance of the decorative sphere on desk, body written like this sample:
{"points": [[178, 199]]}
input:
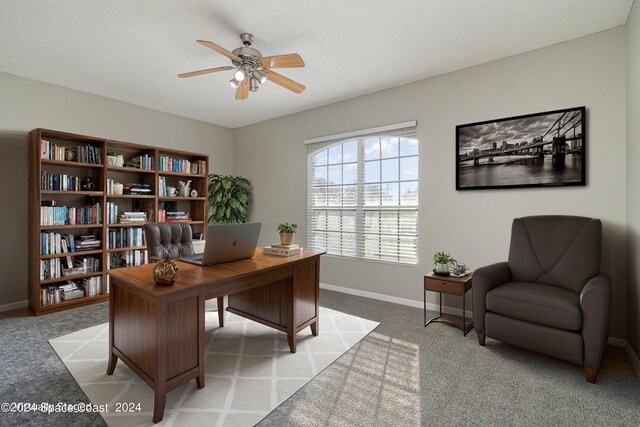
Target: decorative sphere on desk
{"points": [[165, 272]]}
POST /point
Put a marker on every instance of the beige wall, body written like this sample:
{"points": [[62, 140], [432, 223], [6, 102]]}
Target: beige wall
{"points": [[633, 175], [27, 104], [473, 225]]}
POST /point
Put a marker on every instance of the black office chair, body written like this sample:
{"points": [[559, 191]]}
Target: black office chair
{"points": [[171, 240]]}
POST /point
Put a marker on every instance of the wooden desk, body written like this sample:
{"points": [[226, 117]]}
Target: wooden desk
{"points": [[158, 331]]}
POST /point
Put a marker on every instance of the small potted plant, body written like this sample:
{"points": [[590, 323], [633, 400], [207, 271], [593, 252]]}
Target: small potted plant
{"points": [[287, 231], [115, 158], [441, 261]]}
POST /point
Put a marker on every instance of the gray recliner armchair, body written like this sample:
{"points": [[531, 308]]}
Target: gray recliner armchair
{"points": [[550, 296], [171, 240]]}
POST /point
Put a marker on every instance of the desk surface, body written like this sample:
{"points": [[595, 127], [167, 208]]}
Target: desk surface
{"points": [[191, 275]]}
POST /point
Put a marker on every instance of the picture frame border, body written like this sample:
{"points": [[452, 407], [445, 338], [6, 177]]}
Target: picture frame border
{"points": [[583, 178]]}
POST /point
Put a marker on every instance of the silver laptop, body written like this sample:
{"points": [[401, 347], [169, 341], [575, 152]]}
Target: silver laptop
{"points": [[226, 243]]}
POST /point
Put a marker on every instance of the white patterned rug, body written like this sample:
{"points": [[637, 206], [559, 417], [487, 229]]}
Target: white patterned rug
{"points": [[249, 371]]}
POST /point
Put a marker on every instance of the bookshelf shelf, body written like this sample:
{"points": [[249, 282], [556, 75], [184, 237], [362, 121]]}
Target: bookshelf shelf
{"points": [[69, 227], [129, 224], [74, 302], [129, 170], [69, 164], [102, 175], [72, 277], [182, 198], [130, 248], [72, 193], [129, 196], [65, 254], [182, 174]]}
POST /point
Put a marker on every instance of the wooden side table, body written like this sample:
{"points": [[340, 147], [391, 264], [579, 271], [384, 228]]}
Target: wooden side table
{"points": [[449, 285]]}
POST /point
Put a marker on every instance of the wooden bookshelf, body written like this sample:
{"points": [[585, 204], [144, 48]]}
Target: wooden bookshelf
{"points": [[100, 172]]}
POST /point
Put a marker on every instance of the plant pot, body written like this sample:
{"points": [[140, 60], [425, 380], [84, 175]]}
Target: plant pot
{"points": [[442, 268], [286, 238], [111, 160], [120, 161]]}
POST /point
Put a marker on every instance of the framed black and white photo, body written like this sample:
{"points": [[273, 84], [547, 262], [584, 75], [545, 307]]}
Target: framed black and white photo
{"points": [[535, 150]]}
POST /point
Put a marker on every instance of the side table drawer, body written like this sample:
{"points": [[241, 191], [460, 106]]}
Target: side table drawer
{"points": [[440, 285]]}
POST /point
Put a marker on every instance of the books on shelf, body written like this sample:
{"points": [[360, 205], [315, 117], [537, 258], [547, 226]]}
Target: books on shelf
{"points": [[143, 161], [56, 243], [63, 215], [83, 153], [128, 258], [137, 189], [282, 250], [180, 165], [55, 293], [175, 217], [125, 237], [59, 182]]}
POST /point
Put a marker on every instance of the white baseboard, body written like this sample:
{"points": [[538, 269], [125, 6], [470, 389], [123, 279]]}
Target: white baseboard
{"points": [[14, 305], [633, 357], [395, 300]]}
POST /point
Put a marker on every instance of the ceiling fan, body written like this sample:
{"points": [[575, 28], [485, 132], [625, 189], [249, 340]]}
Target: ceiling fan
{"points": [[251, 68]]}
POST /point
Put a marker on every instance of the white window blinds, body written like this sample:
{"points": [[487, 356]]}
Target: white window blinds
{"points": [[363, 194]]}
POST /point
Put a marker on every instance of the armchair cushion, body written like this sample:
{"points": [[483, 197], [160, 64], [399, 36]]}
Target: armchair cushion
{"points": [[535, 303]]}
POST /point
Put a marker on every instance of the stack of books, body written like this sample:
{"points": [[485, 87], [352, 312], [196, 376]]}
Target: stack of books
{"points": [[176, 217], [137, 189], [282, 250], [133, 217], [88, 242], [70, 291]]}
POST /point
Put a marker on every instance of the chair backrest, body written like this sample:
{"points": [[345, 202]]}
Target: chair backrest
{"points": [[168, 240], [557, 250]]}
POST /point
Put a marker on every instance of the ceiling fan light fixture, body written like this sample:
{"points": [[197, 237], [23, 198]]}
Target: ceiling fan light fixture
{"points": [[239, 75], [234, 83], [259, 75], [253, 86]]}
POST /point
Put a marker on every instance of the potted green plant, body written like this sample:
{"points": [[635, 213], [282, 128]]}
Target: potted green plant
{"points": [[287, 231], [115, 158], [229, 198], [441, 261]]}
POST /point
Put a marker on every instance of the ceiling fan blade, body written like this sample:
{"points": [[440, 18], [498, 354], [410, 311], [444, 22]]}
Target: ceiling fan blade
{"points": [[285, 82], [242, 92], [283, 61], [219, 49], [201, 72]]}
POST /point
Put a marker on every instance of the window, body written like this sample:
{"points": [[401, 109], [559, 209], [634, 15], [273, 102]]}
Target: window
{"points": [[363, 196]]}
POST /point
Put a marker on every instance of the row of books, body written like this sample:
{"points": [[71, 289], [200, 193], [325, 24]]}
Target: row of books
{"points": [[87, 287], [143, 161], [56, 268], [127, 258], [282, 250], [56, 243], [59, 182], [164, 216], [82, 153], [176, 164], [64, 215], [162, 187], [125, 237], [137, 189]]}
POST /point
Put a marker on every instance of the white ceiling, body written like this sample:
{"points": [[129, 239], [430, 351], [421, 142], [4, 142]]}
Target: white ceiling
{"points": [[132, 50]]}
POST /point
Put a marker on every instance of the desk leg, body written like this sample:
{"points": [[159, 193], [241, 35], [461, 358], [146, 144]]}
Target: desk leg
{"points": [[222, 307], [291, 338], [314, 328], [113, 359], [159, 403]]}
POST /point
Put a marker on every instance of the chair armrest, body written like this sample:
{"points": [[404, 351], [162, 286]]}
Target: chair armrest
{"points": [[485, 279], [595, 303]]}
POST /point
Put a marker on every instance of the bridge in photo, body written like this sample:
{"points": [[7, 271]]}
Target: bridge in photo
{"points": [[557, 135]]}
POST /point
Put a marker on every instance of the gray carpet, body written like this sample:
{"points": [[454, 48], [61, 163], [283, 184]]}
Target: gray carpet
{"points": [[401, 374]]}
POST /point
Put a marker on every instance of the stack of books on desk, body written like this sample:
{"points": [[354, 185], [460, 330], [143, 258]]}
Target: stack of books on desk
{"points": [[283, 250]]}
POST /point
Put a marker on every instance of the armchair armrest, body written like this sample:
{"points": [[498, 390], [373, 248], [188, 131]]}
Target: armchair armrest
{"points": [[595, 303], [485, 279]]}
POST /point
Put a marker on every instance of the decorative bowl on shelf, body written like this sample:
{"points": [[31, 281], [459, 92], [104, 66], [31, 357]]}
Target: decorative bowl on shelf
{"points": [[165, 272]]}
